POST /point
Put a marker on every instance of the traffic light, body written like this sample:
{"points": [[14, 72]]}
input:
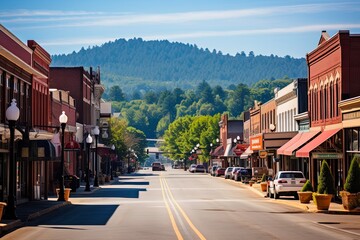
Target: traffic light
{"points": [[157, 155], [147, 151]]}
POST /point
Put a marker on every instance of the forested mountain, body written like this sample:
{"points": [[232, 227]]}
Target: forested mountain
{"points": [[138, 66]]}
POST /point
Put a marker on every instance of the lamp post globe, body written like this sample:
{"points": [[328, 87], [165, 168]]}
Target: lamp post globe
{"points": [[88, 143], [96, 132], [12, 115], [63, 120]]}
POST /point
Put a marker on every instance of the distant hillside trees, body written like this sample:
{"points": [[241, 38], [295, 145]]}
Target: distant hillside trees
{"points": [[153, 113], [139, 66]]}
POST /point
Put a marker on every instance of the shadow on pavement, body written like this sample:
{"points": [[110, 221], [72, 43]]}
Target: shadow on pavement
{"points": [[131, 183], [79, 215], [112, 193]]}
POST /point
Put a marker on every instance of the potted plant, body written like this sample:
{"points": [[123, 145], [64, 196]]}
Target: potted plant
{"points": [[263, 183], [252, 181], [325, 189], [305, 194], [352, 186], [2, 207]]}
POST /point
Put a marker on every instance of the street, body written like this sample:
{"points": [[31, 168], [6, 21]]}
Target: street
{"points": [[175, 204]]}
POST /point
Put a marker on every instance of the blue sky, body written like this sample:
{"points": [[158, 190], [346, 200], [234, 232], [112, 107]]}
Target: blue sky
{"points": [[265, 27]]}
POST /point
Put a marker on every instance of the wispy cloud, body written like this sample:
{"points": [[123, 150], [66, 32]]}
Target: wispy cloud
{"points": [[63, 19], [206, 34]]}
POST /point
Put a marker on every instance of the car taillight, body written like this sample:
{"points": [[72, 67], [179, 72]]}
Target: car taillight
{"points": [[282, 181], [303, 181]]}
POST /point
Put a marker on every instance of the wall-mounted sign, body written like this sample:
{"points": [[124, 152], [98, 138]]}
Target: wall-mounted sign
{"points": [[327, 155], [263, 154], [256, 143]]}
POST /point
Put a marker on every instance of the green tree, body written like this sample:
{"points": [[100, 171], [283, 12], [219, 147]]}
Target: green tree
{"points": [[326, 180], [116, 94]]}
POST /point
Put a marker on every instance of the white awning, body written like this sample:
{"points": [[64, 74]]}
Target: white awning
{"points": [[228, 152], [247, 153]]}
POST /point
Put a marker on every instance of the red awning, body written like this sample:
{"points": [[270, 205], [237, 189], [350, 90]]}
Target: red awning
{"points": [[289, 143], [104, 151], [72, 145], [239, 149], [219, 151], [322, 137], [304, 138]]}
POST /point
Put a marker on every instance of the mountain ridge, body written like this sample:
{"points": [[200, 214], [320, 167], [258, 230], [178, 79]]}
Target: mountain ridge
{"points": [[138, 65]]}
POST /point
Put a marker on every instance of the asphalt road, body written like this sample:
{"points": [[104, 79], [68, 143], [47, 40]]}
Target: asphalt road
{"points": [[180, 205]]}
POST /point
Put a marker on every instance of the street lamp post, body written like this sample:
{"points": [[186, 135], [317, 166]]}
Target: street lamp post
{"points": [[96, 133], [129, 160], [63, 120], [12, 115], [111, 169], [88, 142]]}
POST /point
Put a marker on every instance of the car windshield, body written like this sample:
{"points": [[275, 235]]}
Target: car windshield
{"points": [[291, 175]]}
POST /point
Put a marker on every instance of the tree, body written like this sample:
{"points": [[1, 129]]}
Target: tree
{"points": [[326, 180], [116, 94]]}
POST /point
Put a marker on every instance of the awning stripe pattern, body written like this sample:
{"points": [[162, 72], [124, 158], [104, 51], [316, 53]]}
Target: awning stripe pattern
{"points": [[322, 137]]}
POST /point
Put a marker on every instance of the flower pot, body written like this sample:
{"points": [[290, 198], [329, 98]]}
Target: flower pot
{"points": [[322, 201], [349, 200], [263, 186], [66, 193], [2, 207], [251, 183], [305, 197]]}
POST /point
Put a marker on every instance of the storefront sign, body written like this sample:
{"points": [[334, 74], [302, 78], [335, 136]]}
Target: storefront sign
{"points": [[351, 115], [327, 155], [263, 154], [256, 143]]}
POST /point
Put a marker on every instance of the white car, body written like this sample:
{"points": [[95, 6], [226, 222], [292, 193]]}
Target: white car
{"points": [[192, 167], [228, 172], [286, 183]]}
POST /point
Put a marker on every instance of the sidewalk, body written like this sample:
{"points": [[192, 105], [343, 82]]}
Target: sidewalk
{"points": [[335, 208], [34, 209]]}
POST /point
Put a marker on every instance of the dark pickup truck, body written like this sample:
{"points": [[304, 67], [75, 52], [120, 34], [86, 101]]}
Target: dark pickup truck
{"points": [[244, 175]]}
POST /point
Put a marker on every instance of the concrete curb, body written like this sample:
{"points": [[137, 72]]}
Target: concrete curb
{"points": [[47, 210]]}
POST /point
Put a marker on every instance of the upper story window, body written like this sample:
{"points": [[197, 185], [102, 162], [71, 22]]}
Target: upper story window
{"points": [[16, 85]]}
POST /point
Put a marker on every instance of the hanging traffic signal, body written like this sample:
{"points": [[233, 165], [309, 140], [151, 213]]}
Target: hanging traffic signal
{"points": [[147, 151], [157, 155]]}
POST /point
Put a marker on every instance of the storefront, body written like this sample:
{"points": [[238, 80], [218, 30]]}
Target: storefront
{"points": [[350, 109], [325, 146]]}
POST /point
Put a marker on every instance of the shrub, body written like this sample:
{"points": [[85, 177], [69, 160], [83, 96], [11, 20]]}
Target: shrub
{"points": [[307, 187], [326, 180], [263, 178], [352, 183]]}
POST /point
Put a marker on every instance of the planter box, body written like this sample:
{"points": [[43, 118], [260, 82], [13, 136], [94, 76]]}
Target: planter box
{"points": [[322, 201], [263, 186], [349, 200], [305, 197], [66, 193]]}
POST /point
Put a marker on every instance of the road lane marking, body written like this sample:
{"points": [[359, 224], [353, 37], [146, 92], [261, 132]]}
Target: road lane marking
{"points": [[192, 226], [172, 219]]}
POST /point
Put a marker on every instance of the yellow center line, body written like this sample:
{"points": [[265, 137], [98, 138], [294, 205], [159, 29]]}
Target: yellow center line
{"points": [[172, 219], [183, 213]]}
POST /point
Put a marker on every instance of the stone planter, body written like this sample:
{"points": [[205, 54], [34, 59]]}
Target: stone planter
{"points": [[305, 197], [349, 200], [2, 207], [263, 186], [322, 201]]}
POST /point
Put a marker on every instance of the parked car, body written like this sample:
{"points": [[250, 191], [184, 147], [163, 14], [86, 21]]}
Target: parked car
{"points": [[192, 167], [228, 172], [156, 166], [213, 169], [244, 175], [286, 183], [220, 171], [232, 173], [199, 168]]}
